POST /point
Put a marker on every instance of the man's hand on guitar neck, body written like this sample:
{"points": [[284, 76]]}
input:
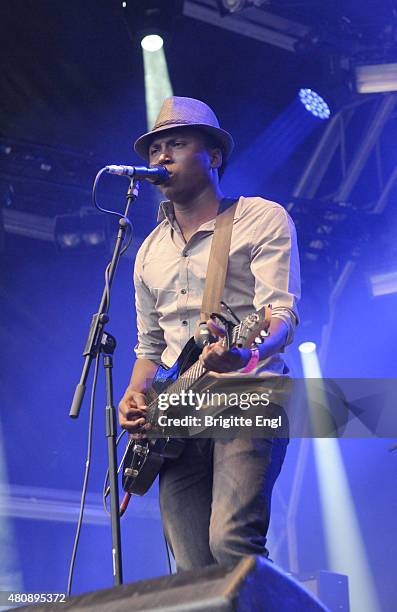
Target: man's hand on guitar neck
{"points": [[217, 358]]}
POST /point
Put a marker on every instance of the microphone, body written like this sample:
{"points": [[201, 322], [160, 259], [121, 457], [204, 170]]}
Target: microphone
{"points": [[155, 174]]}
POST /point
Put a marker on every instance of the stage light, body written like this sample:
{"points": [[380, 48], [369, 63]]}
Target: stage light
{"points": [[234, 6], [376, 78], [152, 43], [80, 231], [149, 22], [93, 230], [66, 231], [314, 103], [329, 93], [383, 283], [307, 347]]}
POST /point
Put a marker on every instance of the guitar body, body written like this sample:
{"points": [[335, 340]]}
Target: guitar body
{"points": [[165, 376], [144, 458]]}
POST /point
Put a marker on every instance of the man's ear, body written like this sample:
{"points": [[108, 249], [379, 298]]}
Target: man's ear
{"points": [[216, 158]]}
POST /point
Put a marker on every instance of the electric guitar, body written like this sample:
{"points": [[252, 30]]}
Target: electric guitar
{"points": [[143, 458]]}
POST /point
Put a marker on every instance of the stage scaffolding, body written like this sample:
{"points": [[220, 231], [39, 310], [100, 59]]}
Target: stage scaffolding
{"points": [[375, 112]]}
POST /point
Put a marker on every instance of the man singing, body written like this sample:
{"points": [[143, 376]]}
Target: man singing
{"points": [[215, 498]]}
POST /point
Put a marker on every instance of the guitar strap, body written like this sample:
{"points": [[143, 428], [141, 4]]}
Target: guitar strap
{"points": [[218, 259]]}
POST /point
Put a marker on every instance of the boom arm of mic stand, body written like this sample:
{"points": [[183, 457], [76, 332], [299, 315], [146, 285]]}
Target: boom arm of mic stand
{"points": [[100, 318]]}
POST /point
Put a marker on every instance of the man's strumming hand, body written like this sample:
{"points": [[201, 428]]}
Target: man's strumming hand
{"points": [[132, 412]]}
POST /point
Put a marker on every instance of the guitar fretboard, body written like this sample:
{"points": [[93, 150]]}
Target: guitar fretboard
{"points": [[236, 337], [184, 382]]}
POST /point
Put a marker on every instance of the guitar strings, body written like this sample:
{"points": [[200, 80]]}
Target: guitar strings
{"points": [[196, 372]]}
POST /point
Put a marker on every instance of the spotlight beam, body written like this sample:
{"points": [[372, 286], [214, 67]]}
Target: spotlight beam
{"points": [[344, 542], [157, 82], [10, 578]]}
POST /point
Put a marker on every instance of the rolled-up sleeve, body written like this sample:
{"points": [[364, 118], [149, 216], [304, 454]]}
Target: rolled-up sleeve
{"points": [[151, 342], [275, 266]]}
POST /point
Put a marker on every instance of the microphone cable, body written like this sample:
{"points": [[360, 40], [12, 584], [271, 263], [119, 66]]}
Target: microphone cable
{"points": [[86, 474]]}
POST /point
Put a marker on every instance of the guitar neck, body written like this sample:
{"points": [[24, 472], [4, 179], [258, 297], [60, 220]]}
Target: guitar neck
{"points": [[184, 382], [242, 334]]}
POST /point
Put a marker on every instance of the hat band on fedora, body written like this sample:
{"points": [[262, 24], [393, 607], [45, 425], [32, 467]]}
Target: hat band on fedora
{"points": [[175, 122]]}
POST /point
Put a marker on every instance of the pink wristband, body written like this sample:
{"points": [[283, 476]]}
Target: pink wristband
{"points": [[252, 362]]}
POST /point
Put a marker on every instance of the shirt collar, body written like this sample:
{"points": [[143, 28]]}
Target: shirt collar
{"points": [[166, 211]]}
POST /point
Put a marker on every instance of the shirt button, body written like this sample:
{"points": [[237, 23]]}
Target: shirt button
{"points": [[183, 291], [184, 322]]}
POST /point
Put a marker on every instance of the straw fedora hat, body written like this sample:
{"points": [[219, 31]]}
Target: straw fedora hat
{"points": [[186, 112]]}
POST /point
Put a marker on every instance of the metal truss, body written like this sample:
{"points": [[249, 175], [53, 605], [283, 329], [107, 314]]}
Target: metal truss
{"points": [[255, 23], [375, 114], [333, 143]]}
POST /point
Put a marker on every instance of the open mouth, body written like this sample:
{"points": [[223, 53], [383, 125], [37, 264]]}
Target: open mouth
{"points": [[170, 175]]}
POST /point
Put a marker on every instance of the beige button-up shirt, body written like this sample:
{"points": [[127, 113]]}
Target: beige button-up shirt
{"points": [[169, 277]]}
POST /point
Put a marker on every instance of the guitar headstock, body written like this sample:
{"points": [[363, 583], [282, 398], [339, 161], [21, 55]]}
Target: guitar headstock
{"points": [[253, 326]]}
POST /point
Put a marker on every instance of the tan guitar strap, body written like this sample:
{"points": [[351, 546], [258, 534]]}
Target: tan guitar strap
{"points": [[218, 260]]}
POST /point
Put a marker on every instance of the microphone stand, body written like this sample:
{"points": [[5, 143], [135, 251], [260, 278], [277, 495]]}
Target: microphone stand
{"points": [[100, 342]]}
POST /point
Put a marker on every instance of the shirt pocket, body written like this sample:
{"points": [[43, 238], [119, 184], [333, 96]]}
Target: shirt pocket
{"points": [[161, 272]]}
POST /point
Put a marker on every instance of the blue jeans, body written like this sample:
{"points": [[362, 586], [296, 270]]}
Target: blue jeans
{"points": [[215, 499]]}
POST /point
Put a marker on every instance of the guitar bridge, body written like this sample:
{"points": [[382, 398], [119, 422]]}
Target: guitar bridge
{"points": [[140, 449], [130, 472]]}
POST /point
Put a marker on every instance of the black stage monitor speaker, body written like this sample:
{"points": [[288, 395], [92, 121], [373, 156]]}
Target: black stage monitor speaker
{"points": [[330, 587], [253, 585]]}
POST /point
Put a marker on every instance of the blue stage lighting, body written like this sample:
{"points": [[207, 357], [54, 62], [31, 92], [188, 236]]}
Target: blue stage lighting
{"points": [[314, 103]]}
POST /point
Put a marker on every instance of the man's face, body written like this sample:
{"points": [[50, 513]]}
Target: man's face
{"points": [[190, 162]]}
